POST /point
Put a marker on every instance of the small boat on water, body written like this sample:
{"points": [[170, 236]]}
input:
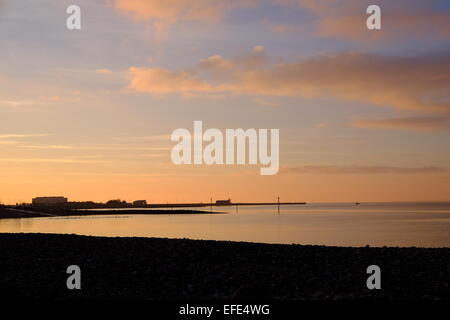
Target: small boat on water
{"points": [[357, 203]]}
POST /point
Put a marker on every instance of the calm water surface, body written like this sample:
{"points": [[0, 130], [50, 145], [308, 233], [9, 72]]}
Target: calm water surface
{"points": [[375, 224]]}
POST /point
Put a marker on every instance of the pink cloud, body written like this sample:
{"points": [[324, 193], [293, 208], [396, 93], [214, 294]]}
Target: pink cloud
{"points": [[417, 83]]}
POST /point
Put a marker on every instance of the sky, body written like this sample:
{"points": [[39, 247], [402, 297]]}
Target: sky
{"points": [[364, 115]]}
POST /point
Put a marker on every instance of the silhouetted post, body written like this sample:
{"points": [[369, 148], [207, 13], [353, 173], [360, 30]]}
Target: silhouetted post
{"points": [[278, 204], [211, 204], [236, 208]]}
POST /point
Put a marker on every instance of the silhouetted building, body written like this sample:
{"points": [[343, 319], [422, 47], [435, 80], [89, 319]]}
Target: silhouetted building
{"points": [[49, 201], [223, 202], [115, 201], [139, 203]]}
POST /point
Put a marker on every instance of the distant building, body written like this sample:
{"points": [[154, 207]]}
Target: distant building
{"points": [[139, 203], [117, 203], [49, 201], [223, 202]]}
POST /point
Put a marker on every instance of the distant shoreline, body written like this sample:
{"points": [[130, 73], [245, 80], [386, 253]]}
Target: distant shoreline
{"points": [[120, 208], [11, 213]]}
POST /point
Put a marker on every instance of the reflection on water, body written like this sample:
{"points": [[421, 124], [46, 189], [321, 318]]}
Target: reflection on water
{"points": [[377, 224]]}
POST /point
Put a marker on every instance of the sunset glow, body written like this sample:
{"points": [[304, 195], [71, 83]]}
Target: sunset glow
{"points": [[363, 115]]}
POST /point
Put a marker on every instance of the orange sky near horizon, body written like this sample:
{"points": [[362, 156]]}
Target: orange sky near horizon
{"points": [[364, 115]]}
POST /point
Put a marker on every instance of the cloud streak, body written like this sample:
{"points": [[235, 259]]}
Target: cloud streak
{"points": [[408, 123], [51, 160], [103, 71], [401, 19], [411, 82], [356, 169], [163, 13], [16, 135], [17, 103], [171, 11]]}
